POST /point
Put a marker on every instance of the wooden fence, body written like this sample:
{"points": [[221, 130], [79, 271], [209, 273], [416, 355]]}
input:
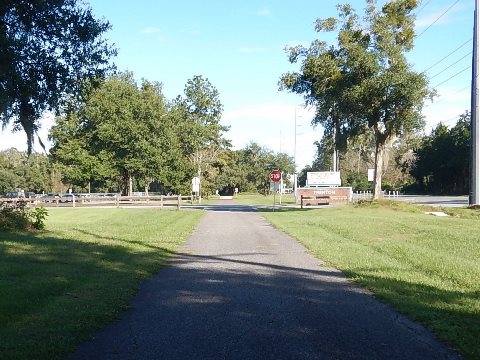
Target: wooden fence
{"points": [[99, 201]]}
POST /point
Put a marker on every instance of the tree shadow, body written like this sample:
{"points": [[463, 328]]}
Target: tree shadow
{"points": [[232, 305], [244, 306], [55, 292]]}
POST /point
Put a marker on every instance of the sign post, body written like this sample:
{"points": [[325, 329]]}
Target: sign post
{"points": [[275, 177], [196, 187]]}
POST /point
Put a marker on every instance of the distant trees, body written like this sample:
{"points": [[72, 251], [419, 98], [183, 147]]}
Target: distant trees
{"points": [[46, 49], [364, 83], [442, 164], [249, 168], [30, 173], [357, 156]]}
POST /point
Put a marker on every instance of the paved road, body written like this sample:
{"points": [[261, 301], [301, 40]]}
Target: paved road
{"points": [[240, 289]]}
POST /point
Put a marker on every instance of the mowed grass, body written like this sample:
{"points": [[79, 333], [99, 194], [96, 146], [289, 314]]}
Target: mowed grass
{"points": [[258, 199], [59, 286], [427, 267]]}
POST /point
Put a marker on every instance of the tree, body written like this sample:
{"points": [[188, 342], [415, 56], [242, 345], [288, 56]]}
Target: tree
{"points": [[256, 163], [121, 132], [46, 48], [442, 165], [364, 83], [198, 117], [30, 173]]}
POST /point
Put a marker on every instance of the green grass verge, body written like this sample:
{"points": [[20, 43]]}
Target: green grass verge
{"points": [[427, 267], [59, 286], [258, 199]]}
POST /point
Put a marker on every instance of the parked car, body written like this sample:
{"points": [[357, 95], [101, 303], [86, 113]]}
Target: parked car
{"points": [[50, 197], [13, 194], [66, 198]]}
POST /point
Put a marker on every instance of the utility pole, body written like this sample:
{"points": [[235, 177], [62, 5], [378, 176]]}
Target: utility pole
{"points": [[474, 198], [295, 157]]}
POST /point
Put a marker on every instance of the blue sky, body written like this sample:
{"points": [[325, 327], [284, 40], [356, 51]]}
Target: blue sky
{"points": [[239, 47]]}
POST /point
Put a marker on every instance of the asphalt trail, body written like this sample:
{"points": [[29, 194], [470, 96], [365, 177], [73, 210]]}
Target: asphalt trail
{"points": [[240, 289]]}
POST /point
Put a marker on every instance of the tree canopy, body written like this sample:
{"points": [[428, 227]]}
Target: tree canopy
{"points": [[442, 165], [121, 132], [47, 49], [364, 82]]}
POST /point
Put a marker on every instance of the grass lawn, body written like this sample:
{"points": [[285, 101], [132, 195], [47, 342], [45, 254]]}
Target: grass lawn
{"points": [[427, 267], [59, 286], [258, 199]]}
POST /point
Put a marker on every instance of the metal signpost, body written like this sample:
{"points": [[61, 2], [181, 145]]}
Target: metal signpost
{"points": [[275, 177]]}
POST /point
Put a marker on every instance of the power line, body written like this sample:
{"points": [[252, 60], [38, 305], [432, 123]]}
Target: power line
{"points": [[450, 120], [451, 77], [433, 23], [445, 57], [449, 66], [423, 7]]}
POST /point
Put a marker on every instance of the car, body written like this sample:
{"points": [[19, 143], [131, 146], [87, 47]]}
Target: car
{"points": [[66, 198], [13, 195], [50, 197]]}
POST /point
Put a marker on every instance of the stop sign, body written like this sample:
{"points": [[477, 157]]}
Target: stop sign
{"points": [[275, 175]]}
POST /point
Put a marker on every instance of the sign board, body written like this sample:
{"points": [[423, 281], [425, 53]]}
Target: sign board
{"points": [[278, 187], [274, 186], [325, 196], [323, 178], [371, 174], [196, 184], [275, 175]]}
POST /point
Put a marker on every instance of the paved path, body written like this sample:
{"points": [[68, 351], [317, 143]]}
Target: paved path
{"points": [[240, 289]]}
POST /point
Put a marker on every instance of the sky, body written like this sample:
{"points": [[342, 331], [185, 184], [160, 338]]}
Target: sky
{"points": [[239, 46]]}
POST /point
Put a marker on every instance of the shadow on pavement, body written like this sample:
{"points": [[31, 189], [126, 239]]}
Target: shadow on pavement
{"points": [[215, 307]]}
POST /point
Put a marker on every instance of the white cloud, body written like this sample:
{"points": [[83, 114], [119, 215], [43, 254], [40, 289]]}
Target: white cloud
{"points": [[273, 125], [437, 16], [446, 108], [150, 30]]}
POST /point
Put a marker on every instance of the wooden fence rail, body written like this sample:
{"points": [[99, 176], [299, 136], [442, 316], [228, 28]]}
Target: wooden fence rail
{"points": [[98, 201]]}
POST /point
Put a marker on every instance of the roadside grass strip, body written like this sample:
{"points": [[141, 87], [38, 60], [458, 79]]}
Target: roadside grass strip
{"points": [[59, 286], [258, 199], [427, 267]]}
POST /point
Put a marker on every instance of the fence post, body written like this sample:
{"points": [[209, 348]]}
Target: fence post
{"points": [[179, 200], [161, 201], [301, 201], [116, 201], [73, 200]]}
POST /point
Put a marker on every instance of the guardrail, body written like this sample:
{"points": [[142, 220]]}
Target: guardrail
{"points": [[98, 201]]}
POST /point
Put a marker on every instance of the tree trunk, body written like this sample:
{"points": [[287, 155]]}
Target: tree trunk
{"points": [[377, 184], [130, 185]]}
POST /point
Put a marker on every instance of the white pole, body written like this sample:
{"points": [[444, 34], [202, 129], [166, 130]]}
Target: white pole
{"points": [[475, 128]]}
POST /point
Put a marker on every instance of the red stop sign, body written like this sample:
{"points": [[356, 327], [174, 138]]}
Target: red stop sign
{"points": [[275, 175]]}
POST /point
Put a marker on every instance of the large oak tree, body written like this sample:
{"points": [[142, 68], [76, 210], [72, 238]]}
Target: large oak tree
{"points": [[364, 82], [47, 49]]}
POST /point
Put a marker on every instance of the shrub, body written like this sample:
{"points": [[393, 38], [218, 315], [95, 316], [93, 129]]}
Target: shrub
{"points": [[18, 216]]}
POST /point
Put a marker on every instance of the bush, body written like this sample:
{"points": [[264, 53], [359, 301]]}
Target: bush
{"points": [[15, 217]]}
